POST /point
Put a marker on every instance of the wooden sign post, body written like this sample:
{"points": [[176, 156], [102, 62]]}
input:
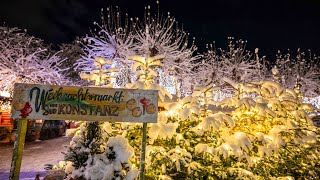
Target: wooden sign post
{"points": [[48, 102], [143, 151], [18, 149]]}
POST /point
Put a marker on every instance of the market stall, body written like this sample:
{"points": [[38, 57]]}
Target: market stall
{"points": [[6, 127]]}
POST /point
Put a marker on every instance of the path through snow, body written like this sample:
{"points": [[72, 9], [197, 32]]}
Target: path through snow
{"points": [[35, 156]]}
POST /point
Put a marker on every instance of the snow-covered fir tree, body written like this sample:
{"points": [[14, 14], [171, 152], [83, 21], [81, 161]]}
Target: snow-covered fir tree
{"points": [[111, 39], [93, 155]]}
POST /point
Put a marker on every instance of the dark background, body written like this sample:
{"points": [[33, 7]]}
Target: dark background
{"points": [[267, 24]]}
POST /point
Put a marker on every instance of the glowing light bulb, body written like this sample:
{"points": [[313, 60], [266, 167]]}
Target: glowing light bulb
{"points": [[100, 60], [170, 113], [226, 146], [179, 136], [4, 94]]}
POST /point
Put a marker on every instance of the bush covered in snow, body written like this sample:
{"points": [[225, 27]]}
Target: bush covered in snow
{"points": [[270, 135], [92, 155]]}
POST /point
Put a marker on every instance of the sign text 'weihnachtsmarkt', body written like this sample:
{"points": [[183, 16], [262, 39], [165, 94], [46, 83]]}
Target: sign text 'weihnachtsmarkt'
{"points": [[35, 101]]}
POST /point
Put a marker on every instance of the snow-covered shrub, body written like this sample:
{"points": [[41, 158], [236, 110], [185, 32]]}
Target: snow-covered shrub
{"points": [[261, 137]]}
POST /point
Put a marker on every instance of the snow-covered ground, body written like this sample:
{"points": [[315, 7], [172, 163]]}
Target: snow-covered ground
{"points": [[35, 156]]}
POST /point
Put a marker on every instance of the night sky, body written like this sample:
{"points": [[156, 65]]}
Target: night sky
{"points": [[269, 25]]}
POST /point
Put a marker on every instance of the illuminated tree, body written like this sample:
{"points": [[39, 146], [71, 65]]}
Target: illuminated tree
{"points": [[237, 63], [158, 35], [111, 40], [118, 39], [101, 76], [26, 59], [306, 68]]}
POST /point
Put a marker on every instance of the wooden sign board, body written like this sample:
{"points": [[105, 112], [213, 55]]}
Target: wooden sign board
{"points": [[49, 102]]}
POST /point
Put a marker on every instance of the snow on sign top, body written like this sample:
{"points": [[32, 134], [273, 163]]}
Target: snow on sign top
{"points": [[50, 102]]}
